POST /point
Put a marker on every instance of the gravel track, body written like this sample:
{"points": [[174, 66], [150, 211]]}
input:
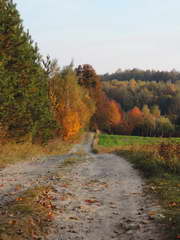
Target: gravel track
{"points": [[99, 198]]}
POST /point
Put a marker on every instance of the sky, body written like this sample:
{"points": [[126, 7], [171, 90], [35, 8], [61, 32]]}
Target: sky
{"points": [[108, 34]]}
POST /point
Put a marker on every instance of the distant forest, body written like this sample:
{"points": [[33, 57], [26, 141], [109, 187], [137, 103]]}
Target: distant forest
{"points": [[152, 94], [143, 75]]}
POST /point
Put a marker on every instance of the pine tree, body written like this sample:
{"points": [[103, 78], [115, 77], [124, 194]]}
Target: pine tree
{"points": [[87, 76], [24, 104]]}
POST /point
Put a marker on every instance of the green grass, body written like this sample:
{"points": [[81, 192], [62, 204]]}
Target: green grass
{"points": [[159, 161], [120, 140]]}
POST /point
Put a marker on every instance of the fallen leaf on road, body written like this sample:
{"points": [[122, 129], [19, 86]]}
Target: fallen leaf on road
{"points": [[12, 222], [19, 199], [91, 201], [172, 204], [17, 188], [64, 185], [152, 213], [50, 216]]}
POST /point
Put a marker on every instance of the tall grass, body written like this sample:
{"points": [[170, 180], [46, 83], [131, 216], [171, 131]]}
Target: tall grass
{"points": [[13, 152], [154, 159]]}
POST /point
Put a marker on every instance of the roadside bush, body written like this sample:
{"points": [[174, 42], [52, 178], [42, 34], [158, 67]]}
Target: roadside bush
{"points": [[150, 163], [169, 153]]}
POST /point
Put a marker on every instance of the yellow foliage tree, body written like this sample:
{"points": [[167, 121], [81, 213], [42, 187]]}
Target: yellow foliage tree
{"points": [[72, 105]]}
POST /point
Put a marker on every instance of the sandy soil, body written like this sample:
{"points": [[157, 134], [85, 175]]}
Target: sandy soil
{"points": [[101, 197]]}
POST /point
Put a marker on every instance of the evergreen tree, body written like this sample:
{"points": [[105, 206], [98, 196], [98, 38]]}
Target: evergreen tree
{"points": [[87, 76], [24, 104]]}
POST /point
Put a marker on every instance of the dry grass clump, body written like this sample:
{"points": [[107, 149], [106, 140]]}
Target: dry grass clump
{"points": [[13, 152]]}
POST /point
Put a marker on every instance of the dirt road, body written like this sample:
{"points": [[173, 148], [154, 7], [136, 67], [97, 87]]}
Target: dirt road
{"points": [[100, 197]]}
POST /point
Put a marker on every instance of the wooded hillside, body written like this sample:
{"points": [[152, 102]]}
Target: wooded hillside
{"points": [[157, 102], [143, 75]]}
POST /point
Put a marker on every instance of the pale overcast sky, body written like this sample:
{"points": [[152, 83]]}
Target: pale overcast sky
{"points": [[108, 34]]}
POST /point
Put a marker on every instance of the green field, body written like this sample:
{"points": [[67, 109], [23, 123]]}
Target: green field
{"points": [[120, 140], [159, 161]]}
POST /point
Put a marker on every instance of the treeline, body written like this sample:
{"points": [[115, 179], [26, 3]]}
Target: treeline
{"points": [[147, 75], [38, 99], [25, 81], [149, 108]]}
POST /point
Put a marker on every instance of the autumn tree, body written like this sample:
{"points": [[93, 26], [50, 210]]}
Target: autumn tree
{"points": [[148, 126], [156, 99], [154, 124], [72, 105], [164, 127], [146, 110], [108, 114], [133, 118], [135, 113], [132, 84], [115, 114], [155, 111]]}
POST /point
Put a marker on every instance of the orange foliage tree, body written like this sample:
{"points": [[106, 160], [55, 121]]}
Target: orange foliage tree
{"points": [[115, 115], [135, 113], [108, 114], [134, 118], [72, 105]]}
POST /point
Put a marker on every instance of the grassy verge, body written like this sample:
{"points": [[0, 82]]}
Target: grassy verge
{"points": [[159, 160], [11, 153], [28, 217], [123, 141]]}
